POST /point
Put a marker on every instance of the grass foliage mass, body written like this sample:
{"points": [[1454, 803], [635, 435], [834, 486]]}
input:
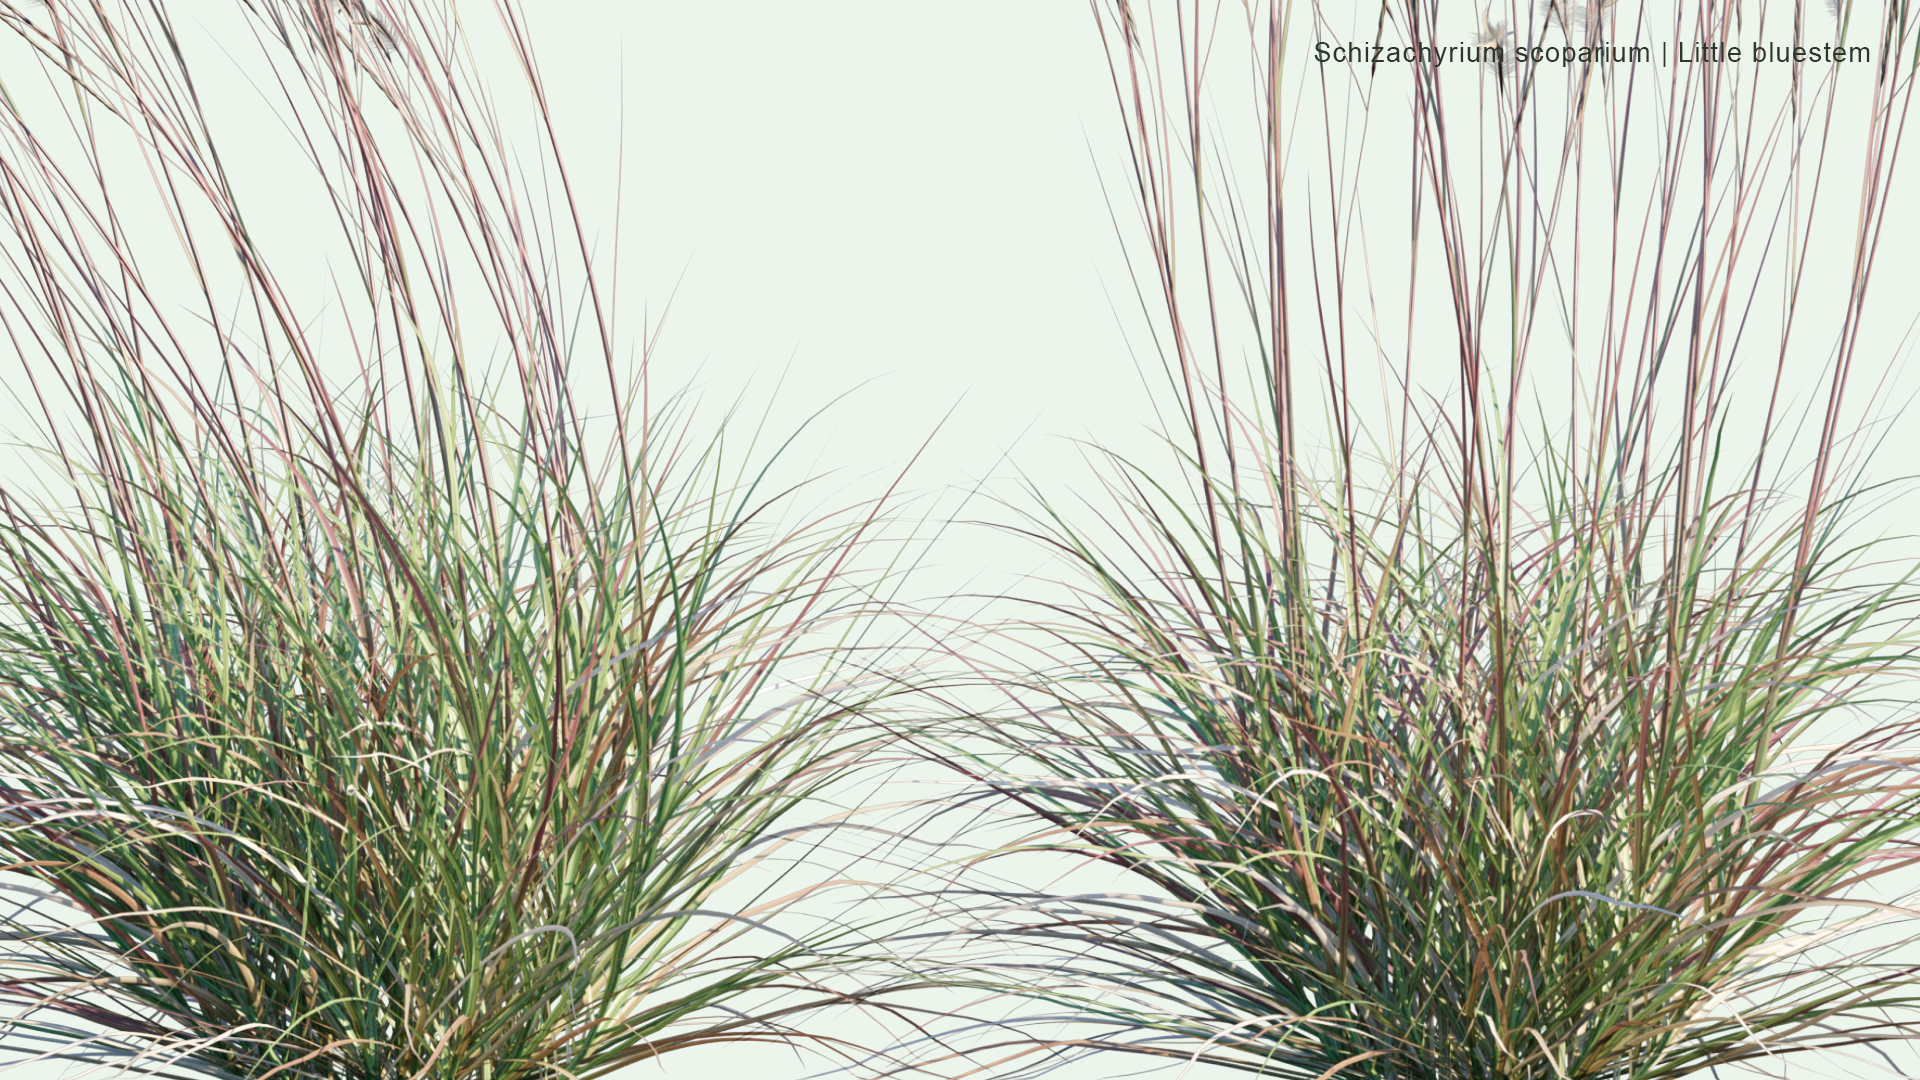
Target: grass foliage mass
{"points": [[1498, 675]]}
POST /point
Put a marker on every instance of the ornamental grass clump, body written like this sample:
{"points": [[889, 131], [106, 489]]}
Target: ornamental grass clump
{"points": [[351, 782], [1558, 813], [1545, 709], [362, 715]]}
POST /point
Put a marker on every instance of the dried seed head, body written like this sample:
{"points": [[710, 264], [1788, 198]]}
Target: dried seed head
{"points": [[1576, 19], [1497, 39]]}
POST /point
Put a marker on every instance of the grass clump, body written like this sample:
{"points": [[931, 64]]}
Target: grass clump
{"points": [[349, 781], [362, 718], [1552, 807], [1575, 748]]}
